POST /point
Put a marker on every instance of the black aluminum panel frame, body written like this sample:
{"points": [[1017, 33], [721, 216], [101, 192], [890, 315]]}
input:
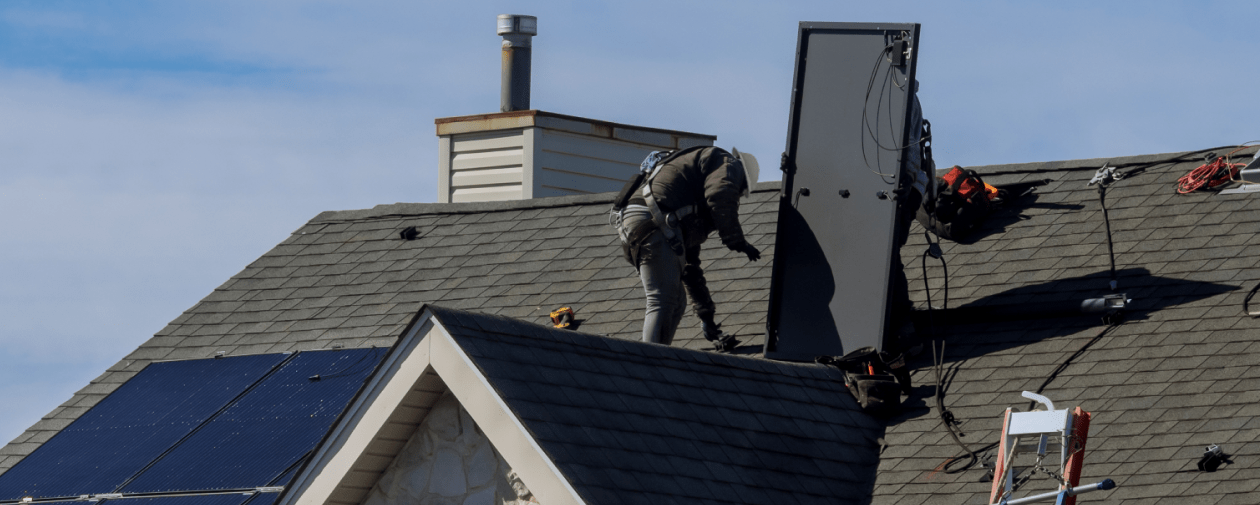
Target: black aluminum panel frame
{"points": [[830, 286]]}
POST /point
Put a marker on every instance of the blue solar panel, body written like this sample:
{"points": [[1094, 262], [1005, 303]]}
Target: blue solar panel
{"points": [[260, 439], [133, 426], [219, 499]]}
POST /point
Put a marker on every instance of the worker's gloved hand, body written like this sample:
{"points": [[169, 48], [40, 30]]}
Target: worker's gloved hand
{"points": [[712, 330], [748, 249]]}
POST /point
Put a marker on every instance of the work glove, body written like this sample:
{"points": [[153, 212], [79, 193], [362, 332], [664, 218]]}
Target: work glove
{"points": [[748, 249], [712, 331], [783, 163]]}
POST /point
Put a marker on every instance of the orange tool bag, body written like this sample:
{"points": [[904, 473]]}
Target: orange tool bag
{"points": [[962, 201]]}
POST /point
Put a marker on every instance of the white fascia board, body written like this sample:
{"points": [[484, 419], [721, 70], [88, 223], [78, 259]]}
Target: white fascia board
{"points": [[506, 432]]}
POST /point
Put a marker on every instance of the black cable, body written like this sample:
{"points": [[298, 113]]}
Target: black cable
{"points": [[947, 419], [938, 359], [870, 84], [1063, 366], [889, 76], [927, 290], [1247, 300], [1111, 252]]}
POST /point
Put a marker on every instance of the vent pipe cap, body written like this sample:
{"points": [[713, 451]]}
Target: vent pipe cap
{"points": [[517, 24]]}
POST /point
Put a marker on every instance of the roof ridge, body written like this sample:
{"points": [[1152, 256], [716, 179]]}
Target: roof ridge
{"points": [[1090, 163], [680, 354], [403, 209]]}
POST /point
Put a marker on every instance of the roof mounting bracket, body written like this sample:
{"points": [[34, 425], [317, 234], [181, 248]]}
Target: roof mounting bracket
{"points": [[1105, 175]]}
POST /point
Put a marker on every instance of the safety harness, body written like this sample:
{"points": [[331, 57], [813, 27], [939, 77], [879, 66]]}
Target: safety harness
{"points": [[668, 223]]}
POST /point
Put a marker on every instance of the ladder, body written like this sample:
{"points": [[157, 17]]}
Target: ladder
{"points": [[1071, 428]]}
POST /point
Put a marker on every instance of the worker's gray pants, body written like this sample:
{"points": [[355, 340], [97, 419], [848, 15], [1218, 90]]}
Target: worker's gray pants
{"points": [[661, 272]]}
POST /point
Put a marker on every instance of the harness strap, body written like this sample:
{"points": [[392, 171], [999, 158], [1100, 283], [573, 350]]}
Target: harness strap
{"points": [[663, 221]]}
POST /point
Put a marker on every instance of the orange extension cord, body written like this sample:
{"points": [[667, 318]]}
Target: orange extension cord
{"points": [[1210, 175]]}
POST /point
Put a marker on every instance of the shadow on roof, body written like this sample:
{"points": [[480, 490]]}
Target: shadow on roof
{"points": [[1023, 198], [1029, 314], [1001, 321]]}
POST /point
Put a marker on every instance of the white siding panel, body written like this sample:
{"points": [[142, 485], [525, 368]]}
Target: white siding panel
{"points": [[487, 166], [686, 142], [594, 148], [487, 159], [487, 177], [664, 140], [486, 193], [546, 191], [570, 183], [469, 142], [589, 167]]}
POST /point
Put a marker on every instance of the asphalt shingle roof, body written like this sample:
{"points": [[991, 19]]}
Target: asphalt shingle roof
{"points": [[630, 422], [347, 278], [1182, 372]]}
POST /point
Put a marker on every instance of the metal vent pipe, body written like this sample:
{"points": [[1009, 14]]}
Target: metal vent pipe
{"points": [[518, 31]]}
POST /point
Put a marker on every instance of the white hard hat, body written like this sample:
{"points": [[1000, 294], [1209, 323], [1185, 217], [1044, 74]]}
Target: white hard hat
{"points": [[751, 168]]}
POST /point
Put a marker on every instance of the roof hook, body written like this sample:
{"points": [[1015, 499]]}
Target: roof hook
{"points": [[1039, 399]]}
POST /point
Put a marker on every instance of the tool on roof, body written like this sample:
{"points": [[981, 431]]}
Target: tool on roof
{"points": [[1107, 304], [562, 317], [1072, 430], [876, 379], [1212, 458]]}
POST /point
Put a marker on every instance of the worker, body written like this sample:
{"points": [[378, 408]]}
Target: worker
{"points": [[916, 186], [664, 214]]}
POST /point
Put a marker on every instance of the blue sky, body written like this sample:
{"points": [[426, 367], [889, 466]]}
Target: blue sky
{"points": [[150, 150]]}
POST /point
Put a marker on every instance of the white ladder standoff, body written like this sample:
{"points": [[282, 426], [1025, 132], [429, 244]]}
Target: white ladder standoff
{"points": [[1034, 429]]}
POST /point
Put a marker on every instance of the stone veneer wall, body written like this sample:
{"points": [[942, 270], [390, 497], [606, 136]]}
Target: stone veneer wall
{"points": [[449, 461]]}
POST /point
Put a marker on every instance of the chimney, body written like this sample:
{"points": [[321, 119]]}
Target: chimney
{"points": [[518, 31], [521, 153]]}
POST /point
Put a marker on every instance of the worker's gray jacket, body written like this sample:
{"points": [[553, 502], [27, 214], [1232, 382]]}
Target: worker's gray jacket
{"points": [[703, 176], [707, 178]]}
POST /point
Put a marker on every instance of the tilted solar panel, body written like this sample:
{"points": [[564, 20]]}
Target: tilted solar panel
{"points": [[261, 438], [133, 426]]}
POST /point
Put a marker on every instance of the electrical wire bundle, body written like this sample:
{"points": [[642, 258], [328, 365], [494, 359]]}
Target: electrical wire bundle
{"points": [[884, 107], [1212, 174], [1208, 175]]}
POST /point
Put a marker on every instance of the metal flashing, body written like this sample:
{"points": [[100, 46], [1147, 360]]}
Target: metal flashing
{"points": [[526, 118]]}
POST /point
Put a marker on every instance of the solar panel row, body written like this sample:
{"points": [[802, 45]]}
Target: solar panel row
{"points": [[199, 425]]}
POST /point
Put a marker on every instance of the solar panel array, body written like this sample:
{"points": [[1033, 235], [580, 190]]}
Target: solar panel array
{"points": [[198, 426]]}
